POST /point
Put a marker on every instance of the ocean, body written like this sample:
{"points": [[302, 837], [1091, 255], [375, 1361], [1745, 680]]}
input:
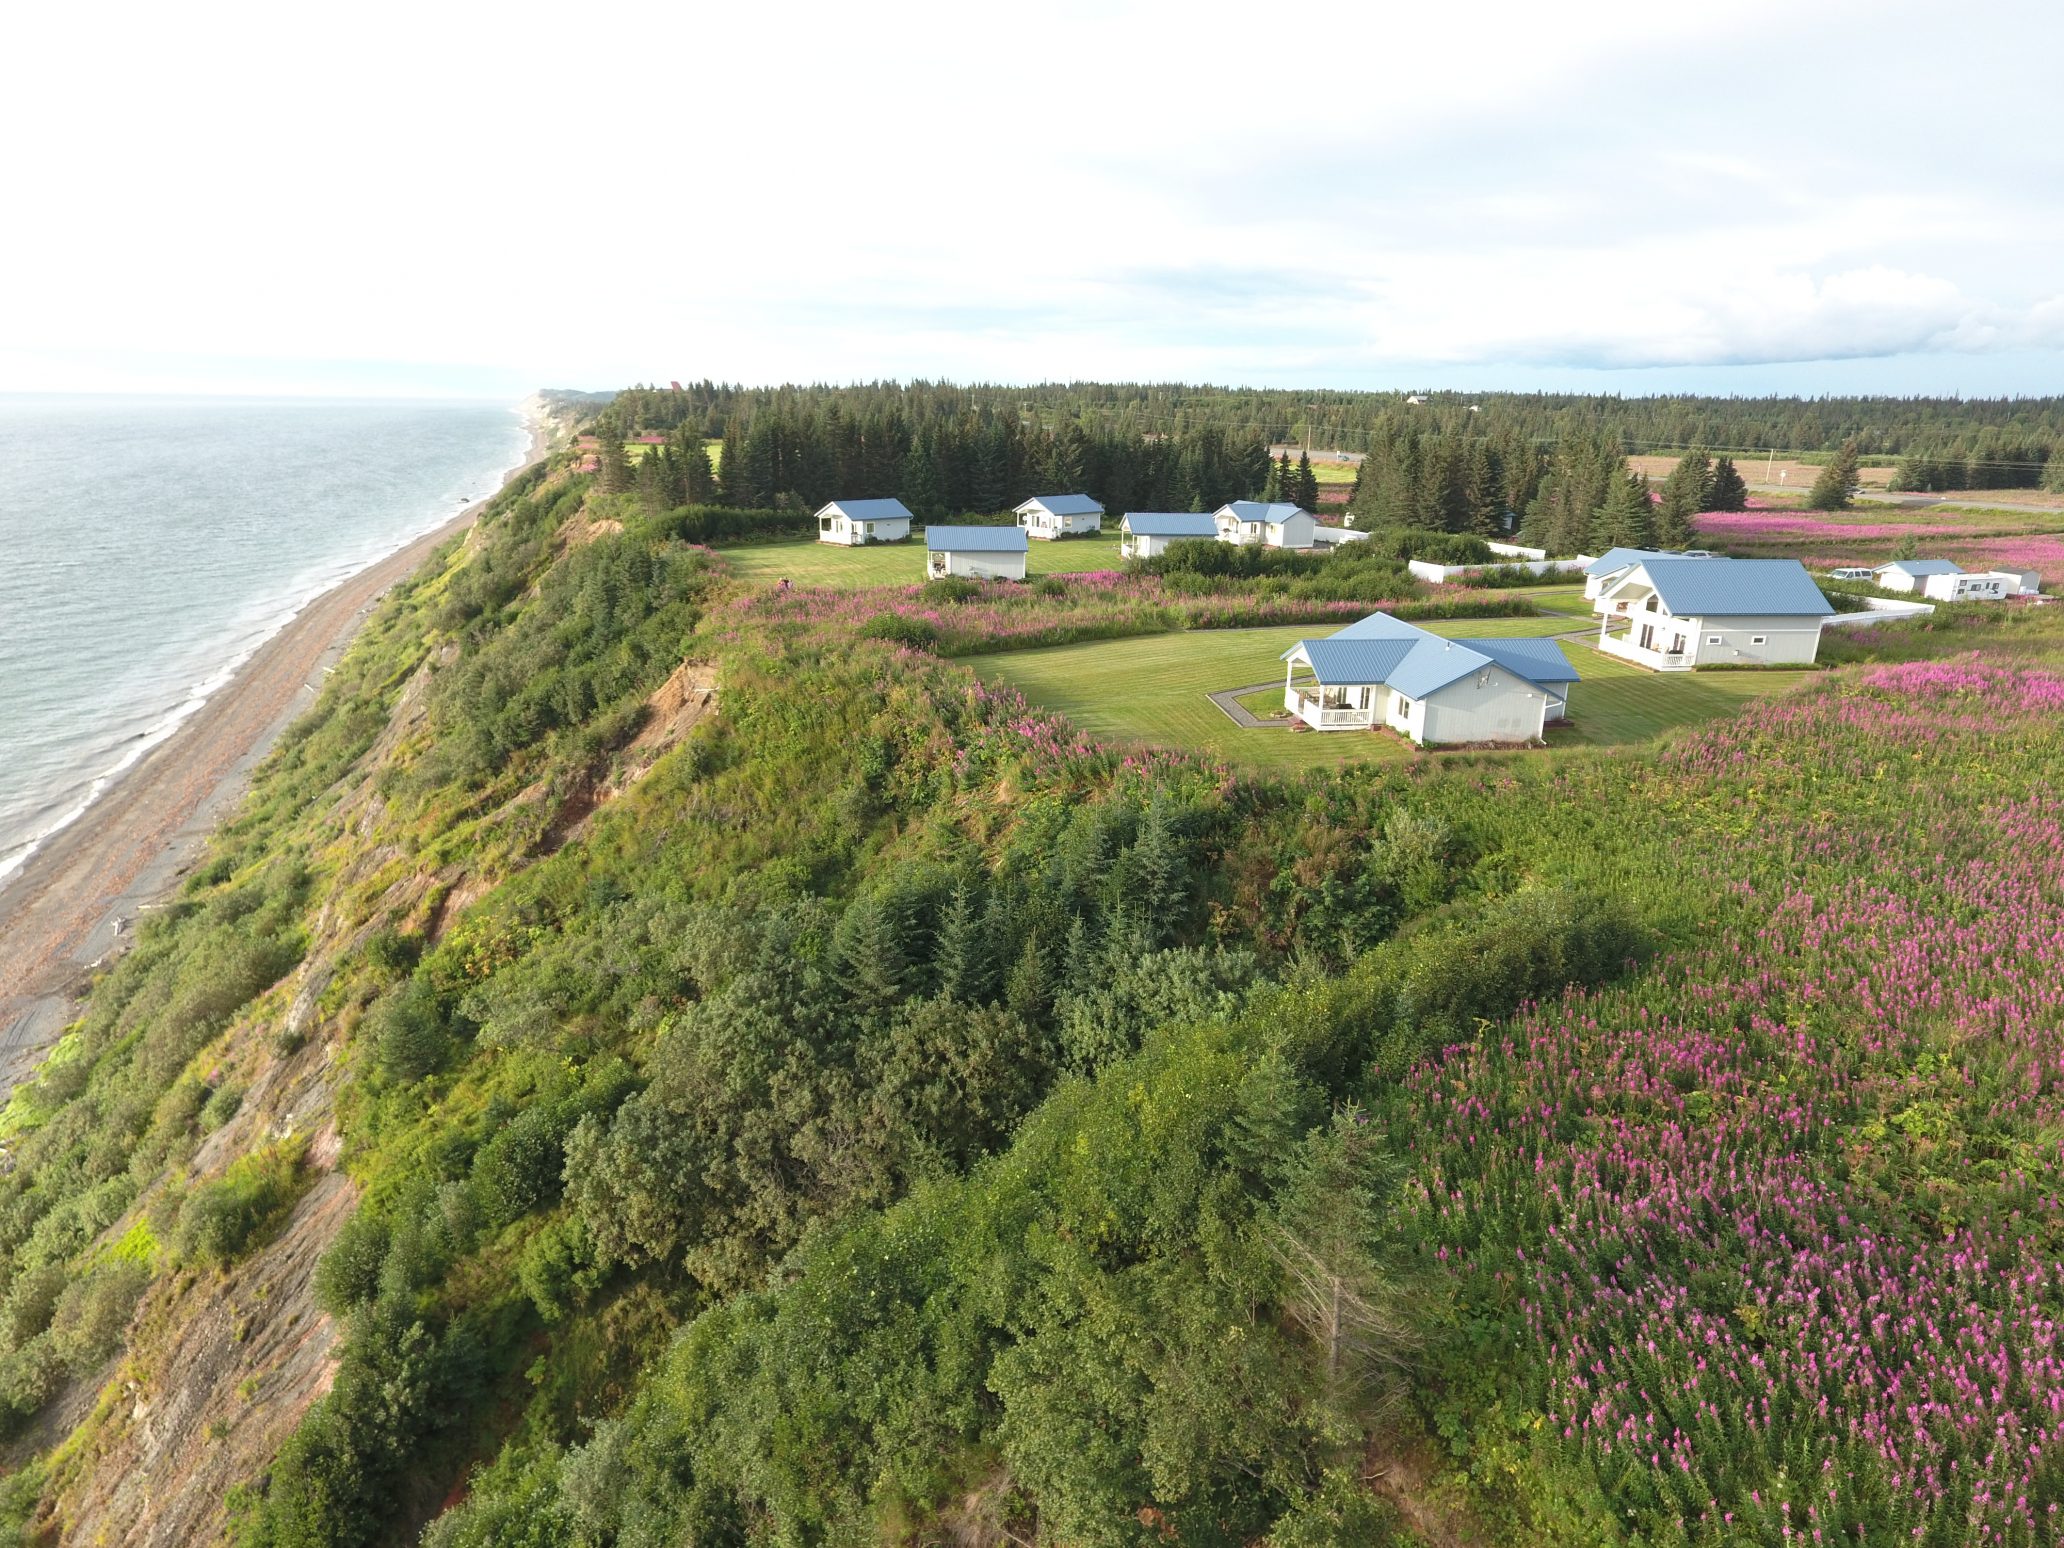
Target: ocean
{"points": [[149, 545]]}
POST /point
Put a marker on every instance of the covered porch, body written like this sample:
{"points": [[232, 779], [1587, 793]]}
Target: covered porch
{"points": [[1332, 706], [1655, 641]]}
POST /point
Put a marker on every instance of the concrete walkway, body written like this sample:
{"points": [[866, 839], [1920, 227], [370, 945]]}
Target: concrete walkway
{"points": [[1226, 699]]}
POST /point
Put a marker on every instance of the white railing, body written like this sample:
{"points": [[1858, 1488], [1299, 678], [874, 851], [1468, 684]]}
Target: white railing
{"points": [[1325, 717]]}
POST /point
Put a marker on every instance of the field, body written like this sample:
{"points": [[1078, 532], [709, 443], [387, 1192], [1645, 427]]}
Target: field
{"points": [[901, 564], [2031, 540], [1774, 473], [1154, 691]]}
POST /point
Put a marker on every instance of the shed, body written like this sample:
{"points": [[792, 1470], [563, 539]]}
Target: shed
{"points": [[976, 553], [1146, 534], [1058, 516], [854, 522]]}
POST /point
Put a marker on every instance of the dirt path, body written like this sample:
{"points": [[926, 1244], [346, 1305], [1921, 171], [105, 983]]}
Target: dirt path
{"points": [[78, 896]]}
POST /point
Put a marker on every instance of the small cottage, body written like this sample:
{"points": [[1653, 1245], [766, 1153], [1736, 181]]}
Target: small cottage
{"points": [[1382, 671], [1059, 516], [854, 522], [1248, 523], [1674, 614], [977, 553], [1912, 574], [1147, 534]]}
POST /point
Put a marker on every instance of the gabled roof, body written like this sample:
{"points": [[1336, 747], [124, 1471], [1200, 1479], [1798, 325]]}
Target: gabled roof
{"points": [[1538, 661], [1064, 505], [1921, 567], [1613, 560], [1173, 524], [868, 510], [1255, 510], [1414, 662], [976, 540], [1721, 588], [1339, 661]]}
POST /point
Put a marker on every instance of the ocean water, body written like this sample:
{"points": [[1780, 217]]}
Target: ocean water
{"points": [[149, 545]]}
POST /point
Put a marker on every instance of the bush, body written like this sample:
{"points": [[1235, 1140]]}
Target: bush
{"points": [[94, 1312], [900, 629], [221, 1106], [950, 588], [349, 1273], [224, 1219]]}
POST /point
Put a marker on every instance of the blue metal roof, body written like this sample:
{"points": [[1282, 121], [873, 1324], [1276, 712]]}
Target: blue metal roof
{"points": [[1255, 510], [869, 510], [1066, 505], [1172, 524], [1380, 626], [976, 540], [1433, 664], [1922, 567], [1339, 661], [1538, 661], [1719, 588], [1614, 560]]}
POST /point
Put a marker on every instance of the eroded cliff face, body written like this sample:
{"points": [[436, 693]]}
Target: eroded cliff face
{"points": [[222, 1361]]}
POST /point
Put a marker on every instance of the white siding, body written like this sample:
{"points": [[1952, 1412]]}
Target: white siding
{"points": [[982, 566], [1294, 533], [1487, 706], [1785, 641]]}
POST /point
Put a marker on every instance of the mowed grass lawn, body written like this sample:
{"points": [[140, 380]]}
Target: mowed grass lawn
{"points": [[810, 563], [1153, 690]]}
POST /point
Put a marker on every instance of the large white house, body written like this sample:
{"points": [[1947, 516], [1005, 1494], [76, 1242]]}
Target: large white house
{"points": [[854, 522], [978, 553], [1382, 671], [1146, 534], [1615, 562], [1674, 614], [1271, 525], [1058, 516]]}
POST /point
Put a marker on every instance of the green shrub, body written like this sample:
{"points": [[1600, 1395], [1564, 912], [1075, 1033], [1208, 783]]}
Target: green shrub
{"points": [[223, 1219], [221, 1106], [901, 629], [950, 589]]}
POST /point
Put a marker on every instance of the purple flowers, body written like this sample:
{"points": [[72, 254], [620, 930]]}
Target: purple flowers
{"points": [[1783, 1215]]}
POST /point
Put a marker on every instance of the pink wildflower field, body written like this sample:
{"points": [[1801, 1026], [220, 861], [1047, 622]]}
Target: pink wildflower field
{"points": [[1783, 1216]]}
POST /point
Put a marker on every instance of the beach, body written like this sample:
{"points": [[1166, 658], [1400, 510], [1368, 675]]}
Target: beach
{"points": [[77, 899]]}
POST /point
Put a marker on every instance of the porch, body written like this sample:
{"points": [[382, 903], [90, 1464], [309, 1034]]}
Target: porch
{"points": [[1660, 644]]}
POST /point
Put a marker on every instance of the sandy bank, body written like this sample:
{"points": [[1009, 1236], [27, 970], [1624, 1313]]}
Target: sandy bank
{"points": [[78, 897]]}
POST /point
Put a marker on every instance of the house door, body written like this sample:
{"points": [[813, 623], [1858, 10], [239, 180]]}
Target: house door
{"points": [[1648, 636]]}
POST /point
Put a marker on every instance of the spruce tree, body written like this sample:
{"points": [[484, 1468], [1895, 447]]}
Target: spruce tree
{"points": [[961, 955], [1730, 491], [698, 483], [920, 487], [731, 471], [1837, 482], [613, 467], [1685, 494], [1626, 519], [1307, 492], [1485, 497]]}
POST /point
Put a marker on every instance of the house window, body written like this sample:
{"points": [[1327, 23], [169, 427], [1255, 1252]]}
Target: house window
{"points": [[1715, 639], [1758, 639]]}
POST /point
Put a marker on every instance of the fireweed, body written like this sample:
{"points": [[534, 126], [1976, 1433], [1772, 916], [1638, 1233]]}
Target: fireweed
{"points": [[1781, 1220]]}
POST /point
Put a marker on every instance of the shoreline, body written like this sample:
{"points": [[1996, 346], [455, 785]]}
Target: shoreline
{"points": [[72, 904]]}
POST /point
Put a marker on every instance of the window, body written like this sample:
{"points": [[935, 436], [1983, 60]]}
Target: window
{"points": [[1758, 639], [1715, 639]]}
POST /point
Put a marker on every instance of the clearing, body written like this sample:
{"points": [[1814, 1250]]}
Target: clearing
{"points": [[1152, 690]]}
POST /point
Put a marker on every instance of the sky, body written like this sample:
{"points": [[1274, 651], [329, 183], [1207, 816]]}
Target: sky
{"points": [[474, 200]]}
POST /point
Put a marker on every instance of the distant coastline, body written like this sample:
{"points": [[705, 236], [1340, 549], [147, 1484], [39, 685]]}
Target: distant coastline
{"points": [[74, 897]]}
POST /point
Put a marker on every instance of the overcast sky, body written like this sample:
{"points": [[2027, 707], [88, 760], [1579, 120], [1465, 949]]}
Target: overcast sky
{"points": [[436, 198]]}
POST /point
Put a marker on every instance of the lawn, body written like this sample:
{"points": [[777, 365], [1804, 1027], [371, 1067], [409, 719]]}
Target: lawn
{"points": [[1154, 690], [901, 564]]}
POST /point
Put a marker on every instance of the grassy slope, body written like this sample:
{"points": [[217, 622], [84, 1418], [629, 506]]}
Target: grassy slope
{"points": [[1153, 690], [890, 564]]}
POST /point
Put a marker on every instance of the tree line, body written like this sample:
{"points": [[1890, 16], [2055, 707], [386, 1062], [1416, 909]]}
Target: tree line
{"points": [[1996, 442]]}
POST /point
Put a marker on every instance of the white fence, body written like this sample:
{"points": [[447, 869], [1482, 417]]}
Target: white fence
{"points": [[1515, 551], [1882, 610], [1426, 570]]}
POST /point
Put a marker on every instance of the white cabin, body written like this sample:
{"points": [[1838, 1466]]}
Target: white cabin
{"points": [[1912, 574], [1249, 523], [1059, 516], [1147, 534], [1674, 614], [977, 553], [1384, 672], [855, 522]]}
